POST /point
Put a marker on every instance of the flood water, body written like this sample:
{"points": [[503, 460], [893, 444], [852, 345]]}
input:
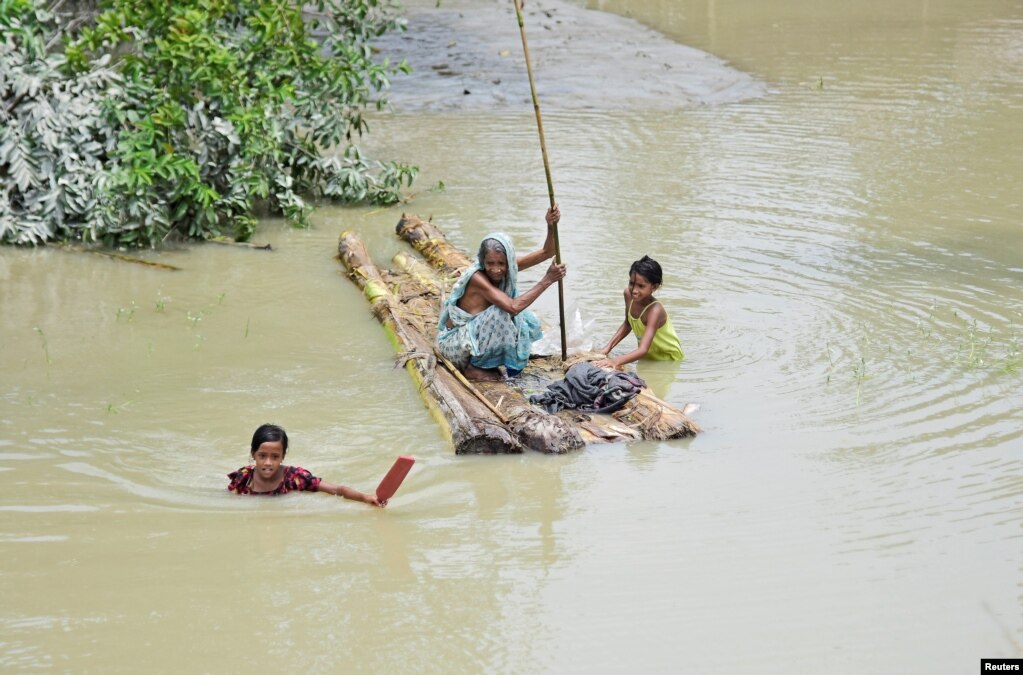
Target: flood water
{"points": [[842, 262]]}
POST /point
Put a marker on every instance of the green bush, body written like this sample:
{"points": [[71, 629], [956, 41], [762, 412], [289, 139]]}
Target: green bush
{"points": [[189, 113], [54, 141]]}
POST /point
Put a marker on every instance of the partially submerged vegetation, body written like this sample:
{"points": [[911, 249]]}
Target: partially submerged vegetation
{"points": [[946, 338], [160, 120]]}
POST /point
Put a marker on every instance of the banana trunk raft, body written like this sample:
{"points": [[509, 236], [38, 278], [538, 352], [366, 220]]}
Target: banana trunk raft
{"points": [[485, 417]]}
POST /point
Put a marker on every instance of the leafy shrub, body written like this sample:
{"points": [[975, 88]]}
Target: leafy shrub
{"points": [[54, 140], [193, 111]]}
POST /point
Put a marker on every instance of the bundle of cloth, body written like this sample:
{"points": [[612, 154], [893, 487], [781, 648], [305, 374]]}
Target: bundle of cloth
{"points": [[589, 389]]}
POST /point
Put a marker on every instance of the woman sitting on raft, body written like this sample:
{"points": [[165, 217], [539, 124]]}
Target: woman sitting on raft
{"points": [[484, 322]]}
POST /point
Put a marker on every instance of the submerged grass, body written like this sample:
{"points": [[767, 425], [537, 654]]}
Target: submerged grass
{"points": [[46, 348], [116, 409], [963, 344], [127, 313], [1013, 359]]}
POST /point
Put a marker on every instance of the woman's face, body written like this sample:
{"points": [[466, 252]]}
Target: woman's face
{"points": [[495, 266]]}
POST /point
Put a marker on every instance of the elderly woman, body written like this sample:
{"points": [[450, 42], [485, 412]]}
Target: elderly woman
{"points": [[484, 322]]}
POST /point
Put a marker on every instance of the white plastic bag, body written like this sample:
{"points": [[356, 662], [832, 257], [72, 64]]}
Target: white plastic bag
{"points": [[578, 337]]}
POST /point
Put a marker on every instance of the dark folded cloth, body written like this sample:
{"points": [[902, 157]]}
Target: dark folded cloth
{"points": [[589, 389]]}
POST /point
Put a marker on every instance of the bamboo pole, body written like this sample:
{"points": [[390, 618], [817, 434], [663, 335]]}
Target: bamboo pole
{"points": [[472, 388], [547, 172], [427, 238]]}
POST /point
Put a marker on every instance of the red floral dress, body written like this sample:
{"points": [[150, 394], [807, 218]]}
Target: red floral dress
{"points": [[295, 479]]}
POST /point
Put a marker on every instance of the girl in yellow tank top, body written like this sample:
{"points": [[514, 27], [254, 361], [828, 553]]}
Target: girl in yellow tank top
{"points": [[646, 317]]}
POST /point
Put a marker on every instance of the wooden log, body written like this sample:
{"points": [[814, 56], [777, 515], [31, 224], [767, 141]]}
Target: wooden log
{"points": [[426, 238], [425, 275], [121, 256], [536, 429], [472, 427], [228, 241]]}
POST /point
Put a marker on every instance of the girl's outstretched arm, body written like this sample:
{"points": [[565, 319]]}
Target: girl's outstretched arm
{"points": [[619, 335], [656, 316], [349, 493], [623, 330]]}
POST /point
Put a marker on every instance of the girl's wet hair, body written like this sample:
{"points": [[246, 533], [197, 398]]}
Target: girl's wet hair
{"points": [[270, 433], [648, 268], [488, 245]]}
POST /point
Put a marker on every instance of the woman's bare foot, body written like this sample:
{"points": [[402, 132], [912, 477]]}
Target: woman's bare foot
{"points": [[473, 373]]}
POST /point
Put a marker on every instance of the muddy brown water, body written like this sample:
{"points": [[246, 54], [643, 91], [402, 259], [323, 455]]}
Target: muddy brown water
{"points": [[841, 241]]}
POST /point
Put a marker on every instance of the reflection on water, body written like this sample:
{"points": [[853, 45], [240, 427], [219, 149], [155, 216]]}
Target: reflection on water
{"points": [[659, 376], [841, 263]]}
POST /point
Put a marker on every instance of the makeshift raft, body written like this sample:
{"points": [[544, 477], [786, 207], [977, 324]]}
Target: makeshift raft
{"points": [[485, 417]]}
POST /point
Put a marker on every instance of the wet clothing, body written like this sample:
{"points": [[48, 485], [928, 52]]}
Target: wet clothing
{"points": [[295, 479], [666, 345], [590, 389], [493, 337]]}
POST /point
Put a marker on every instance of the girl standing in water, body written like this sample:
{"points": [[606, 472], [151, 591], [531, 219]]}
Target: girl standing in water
{"points": [[646, 317]]}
